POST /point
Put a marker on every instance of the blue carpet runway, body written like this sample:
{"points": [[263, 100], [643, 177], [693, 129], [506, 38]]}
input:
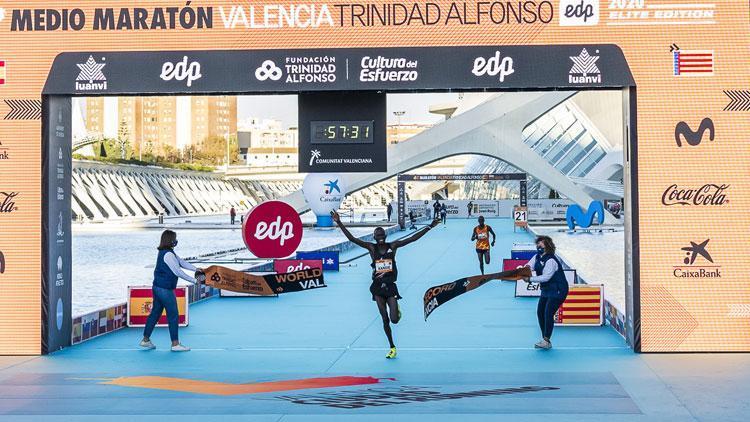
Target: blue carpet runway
{"points": [[473, 360]]}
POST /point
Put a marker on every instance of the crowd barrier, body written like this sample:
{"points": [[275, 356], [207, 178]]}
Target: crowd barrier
{"points": [[113, 318]]}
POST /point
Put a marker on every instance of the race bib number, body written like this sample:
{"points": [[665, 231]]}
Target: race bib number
{"points": [[482, 236], [383, 265]]}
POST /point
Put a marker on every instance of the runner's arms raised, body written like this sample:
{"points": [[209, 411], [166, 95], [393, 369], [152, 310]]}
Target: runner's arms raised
{"points": [[351, 237], [415, 236]]}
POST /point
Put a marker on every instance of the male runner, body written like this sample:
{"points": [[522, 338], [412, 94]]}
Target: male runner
{"points": [[384, 272], [481, 234]]}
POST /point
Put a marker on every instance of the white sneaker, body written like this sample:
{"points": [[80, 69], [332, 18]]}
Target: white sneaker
{"points": [[180, 348], [544, 344], [146, 344]]}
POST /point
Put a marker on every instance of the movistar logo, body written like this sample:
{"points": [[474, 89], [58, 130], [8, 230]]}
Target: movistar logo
{"points": [[575, 215]]}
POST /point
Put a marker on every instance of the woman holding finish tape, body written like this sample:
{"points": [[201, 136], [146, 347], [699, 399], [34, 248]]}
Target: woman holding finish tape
{"points": [[168, 270], [548, 272]]}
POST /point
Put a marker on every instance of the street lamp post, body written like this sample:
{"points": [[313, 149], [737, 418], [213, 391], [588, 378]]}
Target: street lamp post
{"points": [[398, 115]]}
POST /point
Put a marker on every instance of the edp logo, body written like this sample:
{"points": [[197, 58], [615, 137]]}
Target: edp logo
{"points": [[275, 230], [181, 71], [495, 65], [579, 12]]}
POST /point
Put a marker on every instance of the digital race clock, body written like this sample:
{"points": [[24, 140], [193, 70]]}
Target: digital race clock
{"points": [[341, 132]]}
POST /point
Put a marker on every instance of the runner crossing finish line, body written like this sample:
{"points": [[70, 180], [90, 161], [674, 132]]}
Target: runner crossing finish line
{"points": [[438, 295]]}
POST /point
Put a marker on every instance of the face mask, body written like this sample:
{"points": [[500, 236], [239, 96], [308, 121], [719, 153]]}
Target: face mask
{"points": [[540, 250], [174, 244]]}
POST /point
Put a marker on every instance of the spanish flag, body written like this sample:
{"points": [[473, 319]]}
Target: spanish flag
{"points": [[583, 306], [2, 72], [141, 301]]}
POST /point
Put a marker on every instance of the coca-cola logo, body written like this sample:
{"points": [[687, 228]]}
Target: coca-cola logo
{"points": [[273, 229], [8, 202], [706, 195]]}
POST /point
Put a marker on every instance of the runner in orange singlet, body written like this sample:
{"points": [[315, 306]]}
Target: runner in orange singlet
{"points": [[481, 234]]}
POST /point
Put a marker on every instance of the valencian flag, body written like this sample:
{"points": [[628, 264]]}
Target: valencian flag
{"points": [[263, 285], [583, 306], [438, 295]]}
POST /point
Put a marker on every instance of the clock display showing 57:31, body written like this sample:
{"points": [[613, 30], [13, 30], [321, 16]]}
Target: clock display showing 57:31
{"points": [[341, 132]]}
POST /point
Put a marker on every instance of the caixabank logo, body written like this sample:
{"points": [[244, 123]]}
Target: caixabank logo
{"points": [[697, 262]]}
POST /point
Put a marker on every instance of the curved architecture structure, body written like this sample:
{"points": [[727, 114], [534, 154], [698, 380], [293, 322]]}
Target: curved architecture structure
{"points": [[106, 191], [493, 128]]}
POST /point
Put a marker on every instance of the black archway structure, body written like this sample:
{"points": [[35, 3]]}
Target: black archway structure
{"points": [[401, 180], [232, 72]]}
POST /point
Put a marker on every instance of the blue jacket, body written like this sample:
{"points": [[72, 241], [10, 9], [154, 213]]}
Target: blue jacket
{"points": [[557, 286], [163, 275]]}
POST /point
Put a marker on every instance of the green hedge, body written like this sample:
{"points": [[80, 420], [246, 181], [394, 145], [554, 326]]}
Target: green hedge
{"points": [[158, 163]]}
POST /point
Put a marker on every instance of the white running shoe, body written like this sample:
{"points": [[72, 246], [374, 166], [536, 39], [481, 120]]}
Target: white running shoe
{"points": [[146, 344], [180, 348], [544, 344]]}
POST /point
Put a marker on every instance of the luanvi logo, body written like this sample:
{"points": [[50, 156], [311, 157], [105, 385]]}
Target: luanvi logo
{"points": [[8, 202], [693, 138], [706, 195], [697, 252], [579, 12], [584, 70], [91, 77]]}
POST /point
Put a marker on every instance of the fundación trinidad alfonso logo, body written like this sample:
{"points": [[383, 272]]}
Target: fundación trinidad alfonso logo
{"points": [[696, 262], [91, 77], [693, 138], [268, 70], [584, 70]]}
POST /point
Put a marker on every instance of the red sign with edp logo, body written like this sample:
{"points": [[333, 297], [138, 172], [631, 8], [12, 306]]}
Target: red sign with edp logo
{"points": [[273, 229], [282, 266]]}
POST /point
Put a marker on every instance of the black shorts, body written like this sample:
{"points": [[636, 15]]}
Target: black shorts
{"points": [[483, 251], [384, 289]]}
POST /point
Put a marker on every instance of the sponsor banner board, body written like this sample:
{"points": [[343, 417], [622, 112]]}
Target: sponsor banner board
{"points": [[141, 300], [330, 259]]}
